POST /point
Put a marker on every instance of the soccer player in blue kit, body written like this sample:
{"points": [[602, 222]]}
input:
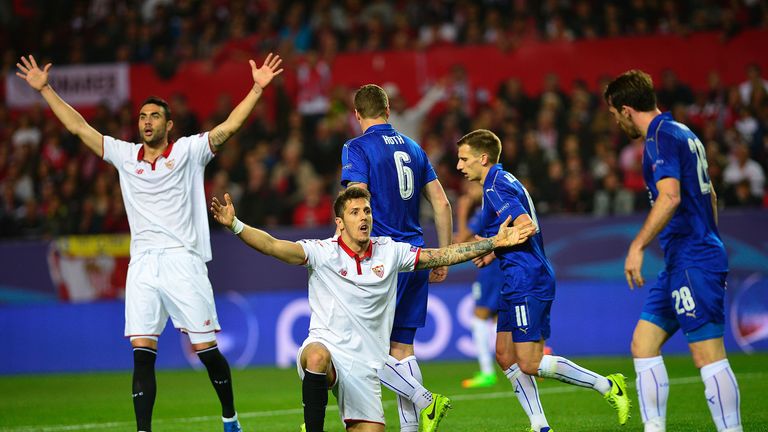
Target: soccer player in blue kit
{"points": [[396, 172], [689, 294], [529, 288]]}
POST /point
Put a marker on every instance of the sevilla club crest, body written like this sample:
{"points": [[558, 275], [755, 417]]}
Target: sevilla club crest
{"points": [[379, 270]]}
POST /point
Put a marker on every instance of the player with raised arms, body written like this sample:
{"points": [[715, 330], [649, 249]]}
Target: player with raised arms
{"points": [[162, 187]]}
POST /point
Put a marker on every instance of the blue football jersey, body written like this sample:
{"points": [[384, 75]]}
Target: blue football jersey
{"points": [[396, 170], [690, 239], [526, 268]]}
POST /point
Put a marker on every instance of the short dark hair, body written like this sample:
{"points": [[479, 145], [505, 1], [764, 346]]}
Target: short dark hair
{"points": [[371, 101], [484, 141], [159, 102], [346, 195], [633, 88]]}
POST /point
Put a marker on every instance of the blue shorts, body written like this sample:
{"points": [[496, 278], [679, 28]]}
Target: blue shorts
{"points": [[487, 290], [692, 299], [526, 317], [411, 309]]}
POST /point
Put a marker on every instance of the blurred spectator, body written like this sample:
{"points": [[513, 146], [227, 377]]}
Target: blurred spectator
{"points": [[315, 209], [672, 91], [741, 168], [259, 205], [740, 195], [753, 90], [612, 198], [409, 120], [314, 81]]}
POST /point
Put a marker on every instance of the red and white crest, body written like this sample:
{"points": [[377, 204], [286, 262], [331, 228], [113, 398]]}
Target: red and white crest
{"points": [[378, 270]]}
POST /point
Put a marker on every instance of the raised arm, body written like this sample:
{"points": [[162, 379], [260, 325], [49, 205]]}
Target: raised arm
{"points": [[74, 122], [662, 211], [262, 241], [713, 199], [460, 252], [262, 76], [443, 222]]}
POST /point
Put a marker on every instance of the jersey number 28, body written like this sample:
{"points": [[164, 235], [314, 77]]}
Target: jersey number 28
{"points": [[697, 148]]}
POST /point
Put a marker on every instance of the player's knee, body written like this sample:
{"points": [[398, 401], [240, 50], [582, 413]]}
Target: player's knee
{"points": [[504, 359], [318, 358], [642, 349], [529, 367]]}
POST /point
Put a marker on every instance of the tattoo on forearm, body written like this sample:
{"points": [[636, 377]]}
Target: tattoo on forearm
{"points": [[454, 254], [218, 137]]}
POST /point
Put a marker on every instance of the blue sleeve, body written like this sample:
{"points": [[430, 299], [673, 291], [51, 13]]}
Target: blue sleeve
{"points": [[667, 161], [354, 164], [505, 201]]}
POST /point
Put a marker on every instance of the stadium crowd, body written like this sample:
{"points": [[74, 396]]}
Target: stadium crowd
{"points": [[564, 146]]}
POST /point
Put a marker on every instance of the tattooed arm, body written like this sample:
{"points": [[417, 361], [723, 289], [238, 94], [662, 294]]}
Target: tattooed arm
{"points": [[457, 253], [261, 78]]}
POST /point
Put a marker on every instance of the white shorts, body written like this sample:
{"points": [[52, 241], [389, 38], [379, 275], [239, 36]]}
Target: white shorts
{"points": [[170, 282], [357, 387]]}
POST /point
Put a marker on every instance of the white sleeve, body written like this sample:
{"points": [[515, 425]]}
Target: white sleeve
{"points": [[407, 256], [199, 148], [116, 151], [313, 250]]}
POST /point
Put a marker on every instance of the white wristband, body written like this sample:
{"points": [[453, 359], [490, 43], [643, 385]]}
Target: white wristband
{"points": [[237, 226]]}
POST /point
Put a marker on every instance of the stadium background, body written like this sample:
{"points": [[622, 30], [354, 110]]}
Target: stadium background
{"points": [[531, 71]]}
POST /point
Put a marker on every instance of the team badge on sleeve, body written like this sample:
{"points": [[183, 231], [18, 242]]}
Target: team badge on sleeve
{"points": [[379, 270]]}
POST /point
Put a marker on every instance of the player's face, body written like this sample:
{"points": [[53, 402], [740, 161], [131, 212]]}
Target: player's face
{"points": [[153, 126], [626, 124], [470, 164], [358, 220]]}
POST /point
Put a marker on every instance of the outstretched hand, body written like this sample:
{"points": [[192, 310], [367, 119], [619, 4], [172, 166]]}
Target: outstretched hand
{"points": [[263, 75], [513, 235], [32, 74], [223, 213]]}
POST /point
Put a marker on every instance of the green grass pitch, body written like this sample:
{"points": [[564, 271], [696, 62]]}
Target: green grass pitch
{"points": [[269, 399]]}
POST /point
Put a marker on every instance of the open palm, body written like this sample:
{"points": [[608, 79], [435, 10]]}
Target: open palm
{"points": [[223, 213], [263, 75], [32, 74]]}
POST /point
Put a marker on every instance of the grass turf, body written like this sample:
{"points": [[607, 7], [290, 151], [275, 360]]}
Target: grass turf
{"points": [[269, 399]]}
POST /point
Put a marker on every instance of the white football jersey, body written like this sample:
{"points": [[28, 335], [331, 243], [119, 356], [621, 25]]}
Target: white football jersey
{"points": [[352, 299], [165, 199]]}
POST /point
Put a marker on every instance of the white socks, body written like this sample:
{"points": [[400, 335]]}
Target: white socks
{"points": [[528, 394], [722, 393], [404, 378], [564, 370], [480, 335], [720, 389], [652, 392]]}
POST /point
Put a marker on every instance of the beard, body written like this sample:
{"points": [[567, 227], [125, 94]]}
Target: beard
{"points": [[631, 130], [156, 138]]}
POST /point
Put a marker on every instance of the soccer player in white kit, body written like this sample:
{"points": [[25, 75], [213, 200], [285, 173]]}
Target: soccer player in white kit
{"points": [[162, 187], [352, 289]]}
